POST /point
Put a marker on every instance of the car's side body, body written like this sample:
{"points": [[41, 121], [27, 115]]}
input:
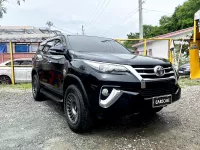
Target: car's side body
{"points": [[184, 70], [22, 69]]}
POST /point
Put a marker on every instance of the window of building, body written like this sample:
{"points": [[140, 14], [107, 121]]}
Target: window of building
{"points": [[21, 48]]}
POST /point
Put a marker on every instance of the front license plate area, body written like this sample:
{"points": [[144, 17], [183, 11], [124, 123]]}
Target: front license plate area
{"points": [[161, 101]]}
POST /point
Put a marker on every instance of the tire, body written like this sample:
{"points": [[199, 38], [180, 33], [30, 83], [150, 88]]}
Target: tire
{"points": [[77, 114], [36, 88], [5, 80]]}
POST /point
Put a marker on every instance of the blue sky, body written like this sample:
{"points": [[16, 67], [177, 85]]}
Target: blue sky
{"points": [[70, 15]]}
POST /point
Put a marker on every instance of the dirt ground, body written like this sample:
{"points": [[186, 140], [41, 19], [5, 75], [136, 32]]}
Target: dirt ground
{"points": [[29, 125]]}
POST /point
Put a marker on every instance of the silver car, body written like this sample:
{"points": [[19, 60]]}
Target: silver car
{"points": [[22, 71]]}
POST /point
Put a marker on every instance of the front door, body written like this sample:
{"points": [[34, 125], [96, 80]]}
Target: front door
{"points": [[58, 66]]}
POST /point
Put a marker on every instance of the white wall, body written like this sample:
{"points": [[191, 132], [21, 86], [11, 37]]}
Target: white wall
{"points": [[141, 48], [33, 47], [160, 49]]}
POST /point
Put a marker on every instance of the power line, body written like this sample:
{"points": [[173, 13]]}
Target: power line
{"points": [[95, 11], [158, 11], [123, 21], [98, 15], [63, 30]]}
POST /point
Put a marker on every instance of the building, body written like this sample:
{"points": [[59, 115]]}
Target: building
{"points": [[25, 40], [159, 48]]}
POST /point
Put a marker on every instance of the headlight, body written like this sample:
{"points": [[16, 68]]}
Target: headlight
{"points": [[106, 67]]}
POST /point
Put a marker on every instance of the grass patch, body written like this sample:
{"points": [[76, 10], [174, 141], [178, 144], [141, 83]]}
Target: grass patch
{"points": [[183, 82], [22, 86]]}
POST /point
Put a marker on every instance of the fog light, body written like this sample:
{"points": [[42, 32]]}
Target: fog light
{"points": [[105, 92]]}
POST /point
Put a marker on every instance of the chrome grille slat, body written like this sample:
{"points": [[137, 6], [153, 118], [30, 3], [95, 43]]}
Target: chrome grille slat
{"points": [[171, 72], [148, 74], [151, 68], [153, 79]]}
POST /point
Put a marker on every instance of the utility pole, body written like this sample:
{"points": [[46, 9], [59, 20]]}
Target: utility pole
{"points": [[140, 19], [83, 31]]}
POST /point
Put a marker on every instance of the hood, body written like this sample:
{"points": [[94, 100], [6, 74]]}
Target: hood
{"points": [[125, 59]]}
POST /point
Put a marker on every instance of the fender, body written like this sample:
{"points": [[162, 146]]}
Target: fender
{"points": [[34, 70], [81, 84]]}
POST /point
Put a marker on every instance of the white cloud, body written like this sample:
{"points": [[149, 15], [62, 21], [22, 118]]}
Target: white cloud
{"points": [[70, 15]]}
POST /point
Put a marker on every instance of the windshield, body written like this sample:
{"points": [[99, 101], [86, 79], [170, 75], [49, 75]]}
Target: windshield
{"points": [[95, 44]]}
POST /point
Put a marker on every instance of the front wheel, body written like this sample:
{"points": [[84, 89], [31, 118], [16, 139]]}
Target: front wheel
{"points": [[36, 88], [77, 114]]}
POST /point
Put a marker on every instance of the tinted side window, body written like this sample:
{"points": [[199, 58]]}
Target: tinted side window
{"points": [[27, 62], [16, 62]]}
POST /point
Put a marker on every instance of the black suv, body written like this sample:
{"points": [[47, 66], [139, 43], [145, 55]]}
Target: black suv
{"points": [[95, 76]]}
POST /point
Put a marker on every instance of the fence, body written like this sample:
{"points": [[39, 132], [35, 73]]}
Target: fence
{"points": [[144, 42]]}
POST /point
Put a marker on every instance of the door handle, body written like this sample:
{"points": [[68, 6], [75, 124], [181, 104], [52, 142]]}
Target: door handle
{"points": [[49, 61]]}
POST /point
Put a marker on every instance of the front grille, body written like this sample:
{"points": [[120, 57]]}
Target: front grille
{"points": [[148, 93], [147, 72]]}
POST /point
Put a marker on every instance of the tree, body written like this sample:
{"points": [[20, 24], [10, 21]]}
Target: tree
{"points": [[2, 8], [49, 24]]}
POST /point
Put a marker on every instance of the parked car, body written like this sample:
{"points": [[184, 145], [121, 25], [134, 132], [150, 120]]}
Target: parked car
{"points": [[96, 76], [22, 71], [184, 70]]}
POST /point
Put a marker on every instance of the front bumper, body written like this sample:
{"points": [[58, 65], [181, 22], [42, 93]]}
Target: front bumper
{"points": [[124, 101]]}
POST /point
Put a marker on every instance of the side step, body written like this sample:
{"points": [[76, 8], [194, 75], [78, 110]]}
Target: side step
{"points": [[50, 95]]}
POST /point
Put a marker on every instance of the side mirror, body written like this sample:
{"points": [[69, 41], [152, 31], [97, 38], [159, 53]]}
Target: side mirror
{"points": [[57, 50]]}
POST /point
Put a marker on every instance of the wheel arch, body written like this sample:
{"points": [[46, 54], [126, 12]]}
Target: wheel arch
{"points": [[34, 72], [72, 79]]}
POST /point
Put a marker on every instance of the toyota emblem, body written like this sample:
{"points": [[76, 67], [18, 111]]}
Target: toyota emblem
{"points": [[159, 71]]}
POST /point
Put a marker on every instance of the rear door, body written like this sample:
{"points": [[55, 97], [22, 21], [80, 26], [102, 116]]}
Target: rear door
{"points": [[20, 71]]}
